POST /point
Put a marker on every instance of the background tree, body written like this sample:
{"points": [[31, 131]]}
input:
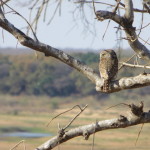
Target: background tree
{"points": [[125, 23]]}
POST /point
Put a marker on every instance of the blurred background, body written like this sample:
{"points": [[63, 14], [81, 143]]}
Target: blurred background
{"points": [[33, 90]]}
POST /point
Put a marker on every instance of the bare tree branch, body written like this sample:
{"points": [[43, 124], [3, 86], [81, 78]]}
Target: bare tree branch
{"points": [[136, 116], [134, 9], [135, 66], [129, 16], [3, 2], [132, 37], [127, 83], [22, 141]]}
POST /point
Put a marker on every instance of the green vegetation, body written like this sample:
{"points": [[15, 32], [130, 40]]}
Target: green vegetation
{"points": [[26, 75]]}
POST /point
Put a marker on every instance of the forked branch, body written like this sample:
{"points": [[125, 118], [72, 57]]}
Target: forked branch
{"points": [[126, 22], [136, 116]]}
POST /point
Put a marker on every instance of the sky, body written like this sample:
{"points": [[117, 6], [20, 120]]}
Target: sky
{"points": [[67, 32]]}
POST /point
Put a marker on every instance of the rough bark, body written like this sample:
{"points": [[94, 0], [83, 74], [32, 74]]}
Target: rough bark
{"points": [[135, 116], [126, 22]]}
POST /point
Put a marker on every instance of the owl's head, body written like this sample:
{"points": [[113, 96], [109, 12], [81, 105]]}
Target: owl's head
{"points": [[107, 54]]}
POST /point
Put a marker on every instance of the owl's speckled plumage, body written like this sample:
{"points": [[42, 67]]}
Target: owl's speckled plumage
{"points": [[108, 67]]}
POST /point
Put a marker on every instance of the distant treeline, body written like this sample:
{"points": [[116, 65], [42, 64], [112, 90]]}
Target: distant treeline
{"points": [[25, 74]]}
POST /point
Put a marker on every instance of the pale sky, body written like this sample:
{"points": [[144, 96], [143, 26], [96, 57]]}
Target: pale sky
{"points": [[64, 32]]}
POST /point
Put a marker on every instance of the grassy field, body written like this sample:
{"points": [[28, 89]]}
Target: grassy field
{"points": [[31, 114]]}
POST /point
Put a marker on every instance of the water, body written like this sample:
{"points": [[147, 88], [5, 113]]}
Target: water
{"points": [[25, 134]]}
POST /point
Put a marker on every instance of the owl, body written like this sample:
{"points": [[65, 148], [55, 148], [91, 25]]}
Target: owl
{"points": [[108, 67]]}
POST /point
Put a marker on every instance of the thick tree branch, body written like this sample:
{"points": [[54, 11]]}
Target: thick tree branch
{"points": [[136, 116], [132, 37], [127, 83], [129, 16]]}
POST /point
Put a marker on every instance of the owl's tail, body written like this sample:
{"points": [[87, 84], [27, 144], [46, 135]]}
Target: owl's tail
{"points": [[106, 86]]}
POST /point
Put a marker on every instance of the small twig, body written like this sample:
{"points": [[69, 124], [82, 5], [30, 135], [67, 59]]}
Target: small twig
{"points": [[116, 7], [94, 7], [25, 21], [93, 141], [45, 11], [141, 22], [114, 11], [117, 105], [61, 131], [106, 29], [63, 113], [126, 61], [144, 41], [3, 35], [139, 134], [75, 117], [143, 27], [23, 141], [135, 66], [57, 7], [134, 9]]}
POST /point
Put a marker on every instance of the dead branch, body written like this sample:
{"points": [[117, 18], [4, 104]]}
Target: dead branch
{"points": [[134, 9], [24, 146], [117, 105], [3, 2], [81, 110], [136, 116], [126, 22], [139, 134], [34, 34]]}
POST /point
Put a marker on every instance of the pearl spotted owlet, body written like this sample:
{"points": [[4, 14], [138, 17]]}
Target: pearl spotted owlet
{"points": [[108, 67]]}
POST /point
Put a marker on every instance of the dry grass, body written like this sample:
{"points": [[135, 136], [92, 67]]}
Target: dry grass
{"points": [[35, 121], [107, 140]]}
